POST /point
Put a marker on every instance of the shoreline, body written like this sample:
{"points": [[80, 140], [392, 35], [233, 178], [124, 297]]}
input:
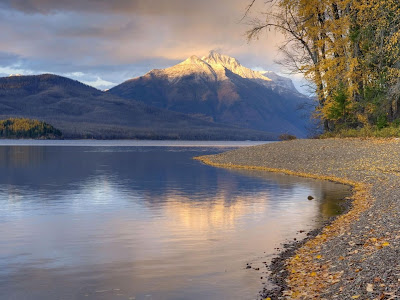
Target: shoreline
{"points": [[278, 269], [336, 260]]}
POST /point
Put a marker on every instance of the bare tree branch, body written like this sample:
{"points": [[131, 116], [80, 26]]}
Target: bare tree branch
{"points": [[247, 10]]}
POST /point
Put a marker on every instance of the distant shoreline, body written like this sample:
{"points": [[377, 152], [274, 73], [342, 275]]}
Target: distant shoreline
{"points": [[129, 143], [132, 139], [357, 255]]}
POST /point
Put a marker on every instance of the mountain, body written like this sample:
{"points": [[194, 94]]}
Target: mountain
{"points": [[266, 78], [81, 111], [218, 88]]}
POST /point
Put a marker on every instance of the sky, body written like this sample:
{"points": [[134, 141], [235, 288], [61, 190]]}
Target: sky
{"points": [[103, 43]]}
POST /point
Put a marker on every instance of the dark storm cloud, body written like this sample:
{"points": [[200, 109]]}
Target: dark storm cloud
{"points": [[118, 39]]}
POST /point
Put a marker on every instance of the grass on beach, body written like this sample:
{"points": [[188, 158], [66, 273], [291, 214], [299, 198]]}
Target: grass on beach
{"points": [[365, 132]]}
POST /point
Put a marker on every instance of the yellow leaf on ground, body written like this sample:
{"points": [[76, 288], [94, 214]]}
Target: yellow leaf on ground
{"points": [[355, 296], [318, 257], [370, 287], [313, 274], [385, 244]]}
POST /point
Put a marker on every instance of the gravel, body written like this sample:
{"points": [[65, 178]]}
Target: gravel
{"points": [[358, 255]]}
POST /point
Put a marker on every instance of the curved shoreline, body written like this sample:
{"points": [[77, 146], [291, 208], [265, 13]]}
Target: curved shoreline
{"points": [[339, 261]]}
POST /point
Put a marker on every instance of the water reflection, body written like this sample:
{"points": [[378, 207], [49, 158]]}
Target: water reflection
{"points": [[17, 157], [143, 222], [329, 196]]}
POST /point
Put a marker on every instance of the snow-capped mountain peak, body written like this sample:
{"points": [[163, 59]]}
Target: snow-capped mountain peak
{"points": [[224, 60], [280, 80], [191, 66], [192, 60], [232, 64], [219, 88], [217, 67]]}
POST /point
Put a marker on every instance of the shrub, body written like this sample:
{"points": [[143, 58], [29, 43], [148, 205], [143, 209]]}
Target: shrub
{"points": [[287, 137], [366, 132]]}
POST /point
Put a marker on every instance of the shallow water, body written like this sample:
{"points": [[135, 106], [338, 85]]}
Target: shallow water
{"points": [[132, 220]]}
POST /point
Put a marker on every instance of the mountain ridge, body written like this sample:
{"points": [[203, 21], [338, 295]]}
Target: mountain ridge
{"points": [[81, 111], [214, 94], [218, 87]]}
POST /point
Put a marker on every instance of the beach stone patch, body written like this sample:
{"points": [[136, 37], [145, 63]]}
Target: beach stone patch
{"points": [[356, 256]]}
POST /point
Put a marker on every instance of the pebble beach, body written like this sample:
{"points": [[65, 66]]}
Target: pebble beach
{"points": [[357, 255]]}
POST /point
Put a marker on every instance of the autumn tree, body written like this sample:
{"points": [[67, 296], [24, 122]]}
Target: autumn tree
{"points": [[27, 128], [348, 50]]}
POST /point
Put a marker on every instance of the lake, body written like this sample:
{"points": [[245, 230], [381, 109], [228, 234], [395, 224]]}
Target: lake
{"points": [[143, 220]]}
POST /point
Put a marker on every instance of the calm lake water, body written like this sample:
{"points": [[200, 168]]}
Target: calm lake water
{"points": [[143, 220]]}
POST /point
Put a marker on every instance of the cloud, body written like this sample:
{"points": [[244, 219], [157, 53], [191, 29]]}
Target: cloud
{"points": [[7, 58], [123, 7], [119, 39], [7, 71], [100, 83]]}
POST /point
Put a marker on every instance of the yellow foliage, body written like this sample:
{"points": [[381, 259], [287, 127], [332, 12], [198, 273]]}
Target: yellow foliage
{"points": [[26, 128], [354, 44]]}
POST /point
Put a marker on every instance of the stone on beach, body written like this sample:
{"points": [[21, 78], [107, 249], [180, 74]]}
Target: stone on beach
{"points": [[359, 248]]}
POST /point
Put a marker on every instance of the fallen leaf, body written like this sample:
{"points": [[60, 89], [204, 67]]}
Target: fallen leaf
{"points": [[370, 287]]}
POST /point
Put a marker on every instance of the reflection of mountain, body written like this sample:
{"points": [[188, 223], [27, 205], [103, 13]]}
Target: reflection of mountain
{"points": [[142, 170], [140, 221], [329, 195], [215, 213], [154, 177], [19, 156]]}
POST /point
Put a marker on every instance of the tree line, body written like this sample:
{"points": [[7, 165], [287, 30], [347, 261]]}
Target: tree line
{"points": [[27, 128], [349, 51]]}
